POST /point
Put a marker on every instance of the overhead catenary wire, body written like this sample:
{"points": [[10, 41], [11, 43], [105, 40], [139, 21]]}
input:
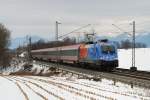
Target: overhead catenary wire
{"points": [[74, 31]]}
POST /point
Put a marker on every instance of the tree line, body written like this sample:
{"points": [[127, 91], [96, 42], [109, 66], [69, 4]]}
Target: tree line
{"points": [[126, 44], [41, 44]]}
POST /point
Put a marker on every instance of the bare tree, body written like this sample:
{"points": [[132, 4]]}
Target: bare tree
{"points": [[4, 43]]}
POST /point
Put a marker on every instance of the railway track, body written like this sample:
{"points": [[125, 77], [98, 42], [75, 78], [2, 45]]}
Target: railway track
{"points": [[137, 74], [140, 78]]}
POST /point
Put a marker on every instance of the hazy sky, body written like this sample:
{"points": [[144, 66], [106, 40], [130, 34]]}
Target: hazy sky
{"points": [[37, 17]]}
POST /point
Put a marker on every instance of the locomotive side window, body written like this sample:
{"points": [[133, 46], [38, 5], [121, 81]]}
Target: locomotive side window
{"points": [[108, 49]]}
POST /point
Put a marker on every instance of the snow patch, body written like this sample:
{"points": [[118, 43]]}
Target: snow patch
{"points": [[142, 56]]}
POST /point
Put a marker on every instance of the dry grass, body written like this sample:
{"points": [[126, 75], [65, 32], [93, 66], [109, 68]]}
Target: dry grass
{"points": [[21, 73]]}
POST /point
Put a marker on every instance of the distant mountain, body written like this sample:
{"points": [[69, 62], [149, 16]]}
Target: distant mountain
{"points": [[22, 41], [144, 38], [141, 37]]}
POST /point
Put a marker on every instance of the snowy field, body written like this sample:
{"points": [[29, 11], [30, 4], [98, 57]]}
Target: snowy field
{"points": [[64, 88], [142, 58]]}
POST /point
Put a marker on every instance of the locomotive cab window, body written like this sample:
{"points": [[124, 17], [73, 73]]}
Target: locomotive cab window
{"points": [[108, 49]]}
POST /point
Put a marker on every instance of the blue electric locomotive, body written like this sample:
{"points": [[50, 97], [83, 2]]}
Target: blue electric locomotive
{"points": [[101, 55]]}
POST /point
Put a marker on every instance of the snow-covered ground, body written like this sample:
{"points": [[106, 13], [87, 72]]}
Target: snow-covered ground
{"points": [[142, 58], [63, 88]]}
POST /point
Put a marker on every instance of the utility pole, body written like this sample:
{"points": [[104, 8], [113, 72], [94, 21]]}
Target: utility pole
{"points": [[57, 23], [29, 48], [89, 37], [133, 68], [58, 54]]}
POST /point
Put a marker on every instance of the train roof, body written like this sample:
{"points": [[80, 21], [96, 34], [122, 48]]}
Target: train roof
{"points": [[70, 47]]}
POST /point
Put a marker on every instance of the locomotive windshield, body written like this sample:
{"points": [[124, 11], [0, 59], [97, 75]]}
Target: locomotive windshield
{"points": [[108, 49]]}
